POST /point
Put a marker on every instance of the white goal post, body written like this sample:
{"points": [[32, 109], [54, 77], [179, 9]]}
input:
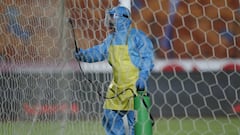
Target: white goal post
{"points": [[194, 86]]}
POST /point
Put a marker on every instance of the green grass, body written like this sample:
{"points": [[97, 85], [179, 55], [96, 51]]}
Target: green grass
{"points": [[207, 126], [171, 126], [52, 128]]}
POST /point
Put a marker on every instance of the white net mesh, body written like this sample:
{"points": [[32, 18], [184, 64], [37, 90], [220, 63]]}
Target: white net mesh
{"points": [[194, 85]]}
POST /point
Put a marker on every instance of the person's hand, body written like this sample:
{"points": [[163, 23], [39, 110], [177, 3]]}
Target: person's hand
{"points": [[140, 84], [78, 55]]}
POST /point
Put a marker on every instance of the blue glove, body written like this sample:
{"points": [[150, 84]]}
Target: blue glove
{"points": [[78, 55], [140, 84]]}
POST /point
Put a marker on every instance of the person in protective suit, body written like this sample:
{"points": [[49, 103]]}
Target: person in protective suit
{"points": [[130, 54]]}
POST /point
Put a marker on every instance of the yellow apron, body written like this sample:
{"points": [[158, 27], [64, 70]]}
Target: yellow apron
{"points": [[122, 88]]}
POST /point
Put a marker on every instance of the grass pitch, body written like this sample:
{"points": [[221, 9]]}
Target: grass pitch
{"points": [[170, 126]]}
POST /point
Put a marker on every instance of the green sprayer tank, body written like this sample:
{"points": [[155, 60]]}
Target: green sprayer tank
{"points": [[144, 121]]}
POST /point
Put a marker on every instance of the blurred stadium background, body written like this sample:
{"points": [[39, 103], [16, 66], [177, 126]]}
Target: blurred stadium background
{"points": [[194, 29], [196, 74]]}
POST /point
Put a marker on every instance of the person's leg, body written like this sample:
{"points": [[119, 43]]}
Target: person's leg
{"points": [[131, 121], [112, 122]]}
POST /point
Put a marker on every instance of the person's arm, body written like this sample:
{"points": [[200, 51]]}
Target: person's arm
{"points": [[94, 54], [145, 51]]}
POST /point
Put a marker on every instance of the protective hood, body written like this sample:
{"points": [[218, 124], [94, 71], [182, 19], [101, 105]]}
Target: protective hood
{"points": [[118, 18]]}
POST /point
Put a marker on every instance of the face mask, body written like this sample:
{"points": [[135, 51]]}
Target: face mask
{"points": [[111, 18]]}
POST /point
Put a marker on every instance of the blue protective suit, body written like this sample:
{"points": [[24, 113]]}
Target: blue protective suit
{"points": [[139, 46], [139, 62]]}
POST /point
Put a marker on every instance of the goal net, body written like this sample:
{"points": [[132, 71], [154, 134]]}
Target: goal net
{"points": [[194, 86]]}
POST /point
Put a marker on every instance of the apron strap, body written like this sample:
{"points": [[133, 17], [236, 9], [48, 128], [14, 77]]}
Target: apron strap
{"points": [[126, 41]]}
